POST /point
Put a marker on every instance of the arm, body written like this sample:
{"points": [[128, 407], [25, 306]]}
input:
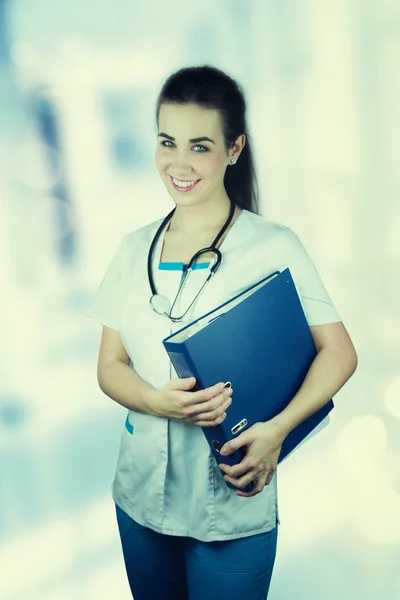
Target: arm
{"points": [[335, 363], [116, 378], [121, 383]]}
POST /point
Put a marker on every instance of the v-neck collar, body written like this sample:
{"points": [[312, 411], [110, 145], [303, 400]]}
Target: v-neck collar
{"points": [[240, 220]]}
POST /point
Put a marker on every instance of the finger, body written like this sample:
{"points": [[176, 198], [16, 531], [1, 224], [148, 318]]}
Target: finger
{"points": [[214, 414], [214, 423], [213, 396], [258, 487], [245, 466], [252, 474], [209, 410], [242, 482], [208, 393], [269, 478]]}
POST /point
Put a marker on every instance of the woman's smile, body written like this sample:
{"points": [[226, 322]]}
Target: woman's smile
{"points": [[184, 185]]}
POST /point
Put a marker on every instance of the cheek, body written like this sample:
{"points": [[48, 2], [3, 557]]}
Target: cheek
{"points": [[161, 159], [212, 165]]}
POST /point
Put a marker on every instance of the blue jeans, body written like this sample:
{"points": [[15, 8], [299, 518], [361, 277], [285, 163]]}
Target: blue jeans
{"points": [[170, 567]]}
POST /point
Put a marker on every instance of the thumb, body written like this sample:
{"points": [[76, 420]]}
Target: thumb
{"points": [[187, 383], [233, 445]]}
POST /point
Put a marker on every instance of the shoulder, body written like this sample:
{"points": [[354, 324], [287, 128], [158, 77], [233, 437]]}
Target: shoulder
{"points": [[132, 239], [142, 233], [274, 232], [128, 249]]}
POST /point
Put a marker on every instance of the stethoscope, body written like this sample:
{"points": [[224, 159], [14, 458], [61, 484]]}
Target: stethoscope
{"points": [[160, 304]]}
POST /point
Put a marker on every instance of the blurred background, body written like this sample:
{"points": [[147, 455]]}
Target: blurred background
{"points": [[78, 85]]}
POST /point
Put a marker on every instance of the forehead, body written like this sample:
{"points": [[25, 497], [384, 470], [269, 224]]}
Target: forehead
{"points": [[189, 121]]}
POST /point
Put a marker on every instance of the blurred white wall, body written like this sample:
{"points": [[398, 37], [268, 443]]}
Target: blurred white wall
{"points": [[78, 85]]}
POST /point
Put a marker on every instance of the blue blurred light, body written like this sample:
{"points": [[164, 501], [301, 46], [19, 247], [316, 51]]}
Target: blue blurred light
{"points": [[13, 412]]}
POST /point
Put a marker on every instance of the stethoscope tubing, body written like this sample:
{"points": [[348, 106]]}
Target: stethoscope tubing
{"points": [[189, 269]]}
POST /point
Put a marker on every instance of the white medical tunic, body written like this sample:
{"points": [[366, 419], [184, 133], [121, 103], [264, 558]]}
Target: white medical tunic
{"points": [[166, 476]]}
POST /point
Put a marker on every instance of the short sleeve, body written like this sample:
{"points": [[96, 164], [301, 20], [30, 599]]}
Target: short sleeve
{"points": [[316, 302], [106, 307]]}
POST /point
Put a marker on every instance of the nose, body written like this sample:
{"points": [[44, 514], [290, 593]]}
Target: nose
{"points": [[181, 161]]}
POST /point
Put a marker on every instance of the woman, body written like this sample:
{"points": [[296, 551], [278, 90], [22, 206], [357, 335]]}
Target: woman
{"points": [[186, 534]]}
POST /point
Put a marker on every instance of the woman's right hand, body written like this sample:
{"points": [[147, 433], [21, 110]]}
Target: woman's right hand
{"points": [[205, 408]]}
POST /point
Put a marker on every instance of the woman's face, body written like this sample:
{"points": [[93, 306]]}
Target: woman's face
{"points": [[191, 156]]}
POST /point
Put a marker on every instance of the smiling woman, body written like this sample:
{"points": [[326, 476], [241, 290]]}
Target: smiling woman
{"points": [[184, 532], [195, 171], [202, 134]]}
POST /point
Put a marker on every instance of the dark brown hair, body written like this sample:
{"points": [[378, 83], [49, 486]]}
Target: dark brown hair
{"points": [[210, 87]]}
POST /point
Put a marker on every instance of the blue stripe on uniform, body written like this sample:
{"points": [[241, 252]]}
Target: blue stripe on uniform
{"points": [[128, 424]]}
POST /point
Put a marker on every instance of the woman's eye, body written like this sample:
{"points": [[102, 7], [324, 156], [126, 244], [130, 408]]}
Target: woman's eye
{"points": [[200, 147]]}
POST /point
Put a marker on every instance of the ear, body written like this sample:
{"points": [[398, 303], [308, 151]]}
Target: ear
{"points": [[238, 146]]}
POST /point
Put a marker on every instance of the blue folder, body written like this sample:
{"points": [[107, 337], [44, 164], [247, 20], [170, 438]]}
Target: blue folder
{"points": [[261, 342]]}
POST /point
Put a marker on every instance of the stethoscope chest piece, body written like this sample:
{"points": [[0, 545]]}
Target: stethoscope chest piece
{"points": [[160, 304]]}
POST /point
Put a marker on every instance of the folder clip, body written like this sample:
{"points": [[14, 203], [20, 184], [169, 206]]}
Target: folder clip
{"points": [[239, 426]]}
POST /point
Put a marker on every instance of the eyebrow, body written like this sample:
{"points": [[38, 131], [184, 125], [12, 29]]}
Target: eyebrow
{"points": [[192, 141]]}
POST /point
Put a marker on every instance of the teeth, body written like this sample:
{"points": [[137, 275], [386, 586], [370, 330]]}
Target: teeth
{"points": [[183, 184]]}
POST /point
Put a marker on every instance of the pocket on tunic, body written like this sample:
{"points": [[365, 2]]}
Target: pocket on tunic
{"points": [[124, 482], [138, 459]]}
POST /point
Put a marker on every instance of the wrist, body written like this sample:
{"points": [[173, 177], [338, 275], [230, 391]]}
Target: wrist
{"points": [[152, 400], [282, 426]]}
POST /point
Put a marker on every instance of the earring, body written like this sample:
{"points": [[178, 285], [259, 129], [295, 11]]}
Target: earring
{"points": [[233, 161]]}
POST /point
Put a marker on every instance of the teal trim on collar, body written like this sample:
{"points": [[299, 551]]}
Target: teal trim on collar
{"points": [[178, 266]]}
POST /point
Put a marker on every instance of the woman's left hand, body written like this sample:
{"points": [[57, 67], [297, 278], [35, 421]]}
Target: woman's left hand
{"points": [[264, 442]]}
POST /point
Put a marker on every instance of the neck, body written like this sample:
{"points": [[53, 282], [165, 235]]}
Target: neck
{"points": [[197, 219]]}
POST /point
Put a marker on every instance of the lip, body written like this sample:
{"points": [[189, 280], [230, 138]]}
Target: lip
{"points": [[184, 190]]}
